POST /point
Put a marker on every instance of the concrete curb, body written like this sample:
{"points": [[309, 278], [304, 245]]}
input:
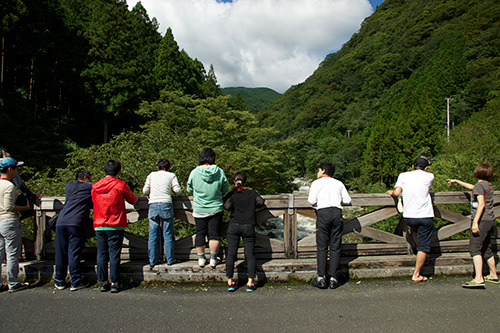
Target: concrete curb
{"points": [[270, 271]]}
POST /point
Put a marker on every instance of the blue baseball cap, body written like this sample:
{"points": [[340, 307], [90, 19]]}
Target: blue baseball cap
{"points": [[9, 162]]}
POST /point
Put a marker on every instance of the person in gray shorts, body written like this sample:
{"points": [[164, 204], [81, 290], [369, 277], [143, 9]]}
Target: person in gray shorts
{"points": [[483, 225]]}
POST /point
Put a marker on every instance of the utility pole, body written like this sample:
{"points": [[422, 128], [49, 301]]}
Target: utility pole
{"points": [[448, 99]]}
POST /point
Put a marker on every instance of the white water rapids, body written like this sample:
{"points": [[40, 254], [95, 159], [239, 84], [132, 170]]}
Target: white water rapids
{"points": [[306, 226]]}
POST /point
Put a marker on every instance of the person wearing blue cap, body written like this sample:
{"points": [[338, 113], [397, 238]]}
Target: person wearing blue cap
{"points": [[10, 226], [26, 192]]}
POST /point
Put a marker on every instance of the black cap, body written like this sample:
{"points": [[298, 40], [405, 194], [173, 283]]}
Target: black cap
{"points": [[421, 162]]}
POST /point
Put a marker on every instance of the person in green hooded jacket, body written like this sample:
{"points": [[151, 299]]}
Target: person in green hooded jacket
{"points": [[208, 183]]}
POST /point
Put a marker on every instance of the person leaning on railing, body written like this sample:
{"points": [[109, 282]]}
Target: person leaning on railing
{"points": [[418, 211], [208, 183]]}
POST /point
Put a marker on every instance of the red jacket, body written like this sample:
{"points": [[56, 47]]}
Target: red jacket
{"points": [[108, 195]]}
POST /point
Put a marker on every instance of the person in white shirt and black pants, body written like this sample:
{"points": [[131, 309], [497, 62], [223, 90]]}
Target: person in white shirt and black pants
{"points": [[328, 194]]}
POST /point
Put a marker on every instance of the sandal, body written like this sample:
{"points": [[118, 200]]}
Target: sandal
{"points": [[250, 288], [231, 287], [420, 279], [496, 281]]}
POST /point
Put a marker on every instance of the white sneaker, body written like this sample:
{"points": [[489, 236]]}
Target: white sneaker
{"points": [[213, 262], [202, 262]]}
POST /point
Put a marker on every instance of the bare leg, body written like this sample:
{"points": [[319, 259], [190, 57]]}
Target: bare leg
{"points": [[213, 245], [478, 267], [419, 263], [493, 269], [200, 249]]}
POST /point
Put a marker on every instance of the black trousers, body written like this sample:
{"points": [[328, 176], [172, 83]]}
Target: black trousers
{"points": [[328, 234], [247, 233]]}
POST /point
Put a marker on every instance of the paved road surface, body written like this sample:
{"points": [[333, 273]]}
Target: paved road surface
{"points": [[439, 305]]}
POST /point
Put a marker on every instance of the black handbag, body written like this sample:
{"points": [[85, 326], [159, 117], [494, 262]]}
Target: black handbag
{"points": [[53, 219]]}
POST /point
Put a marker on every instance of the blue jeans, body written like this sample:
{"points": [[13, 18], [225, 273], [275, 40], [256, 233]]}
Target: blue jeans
{"points": [[70, 242], [161, 214], [109, 249], [11, 238]]}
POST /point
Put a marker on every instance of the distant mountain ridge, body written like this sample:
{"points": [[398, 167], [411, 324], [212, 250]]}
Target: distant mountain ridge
{"points": [[254, 99], [380, 101]]}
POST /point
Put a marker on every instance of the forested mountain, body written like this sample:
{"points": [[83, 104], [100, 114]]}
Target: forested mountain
{"points": [[379, 102], [77, 71], [251, 99]]}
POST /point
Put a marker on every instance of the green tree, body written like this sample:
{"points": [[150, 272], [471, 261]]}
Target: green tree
{"points": [[177, 127]]}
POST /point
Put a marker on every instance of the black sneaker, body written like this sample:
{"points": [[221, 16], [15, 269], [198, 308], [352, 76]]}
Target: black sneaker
{"points": [[105, 286], [19, 286], [83, 284], [117, 287], [334, 283], [319, 282]]}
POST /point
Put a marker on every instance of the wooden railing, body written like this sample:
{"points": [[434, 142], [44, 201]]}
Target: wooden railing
{"points": [[289, 206]]}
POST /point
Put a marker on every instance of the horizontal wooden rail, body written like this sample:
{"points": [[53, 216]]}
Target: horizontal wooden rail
{"points": [[289, 206]]}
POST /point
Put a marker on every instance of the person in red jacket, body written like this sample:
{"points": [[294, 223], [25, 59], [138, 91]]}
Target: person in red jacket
{"points": [[110, 220]]}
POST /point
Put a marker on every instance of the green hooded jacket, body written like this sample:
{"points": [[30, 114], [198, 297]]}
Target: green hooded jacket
{"points": [[207, 184]]}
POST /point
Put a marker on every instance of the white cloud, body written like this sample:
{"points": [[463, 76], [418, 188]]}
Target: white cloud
{"points": [[260, 43]]}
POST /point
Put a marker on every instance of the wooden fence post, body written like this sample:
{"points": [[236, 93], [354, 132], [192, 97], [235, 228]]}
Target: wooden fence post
{"points": [[40, 235], [290, 229]]}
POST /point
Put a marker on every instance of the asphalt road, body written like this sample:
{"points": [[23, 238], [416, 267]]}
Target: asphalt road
{"points": [[439, 305]]}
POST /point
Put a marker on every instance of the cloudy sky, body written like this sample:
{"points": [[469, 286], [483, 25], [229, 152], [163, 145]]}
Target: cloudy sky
{"points": [[260, 43]]}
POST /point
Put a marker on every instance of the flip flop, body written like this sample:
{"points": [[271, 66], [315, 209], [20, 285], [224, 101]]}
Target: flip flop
{"points": [[496, 281], [420, 279], [473, 284]]}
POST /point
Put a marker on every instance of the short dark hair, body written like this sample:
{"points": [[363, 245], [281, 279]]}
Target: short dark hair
{"points": [[163, 164], [112, 167], [207, 156], [328, 167], [483, 172], [240, 178], [81, 174], [4, 170]]}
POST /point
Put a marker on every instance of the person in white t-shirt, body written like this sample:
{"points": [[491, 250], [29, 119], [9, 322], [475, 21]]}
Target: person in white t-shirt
{"points": [[158, 187], [418, 211], [328, 194]]}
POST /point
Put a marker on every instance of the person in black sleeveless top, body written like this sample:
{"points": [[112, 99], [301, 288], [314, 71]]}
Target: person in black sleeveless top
{"points": [[242, 203]]}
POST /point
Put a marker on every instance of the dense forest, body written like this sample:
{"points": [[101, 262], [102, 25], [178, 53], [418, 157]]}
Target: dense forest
{"points": [[75, 71], [379, 102], [251, 99], [87, 80]]}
